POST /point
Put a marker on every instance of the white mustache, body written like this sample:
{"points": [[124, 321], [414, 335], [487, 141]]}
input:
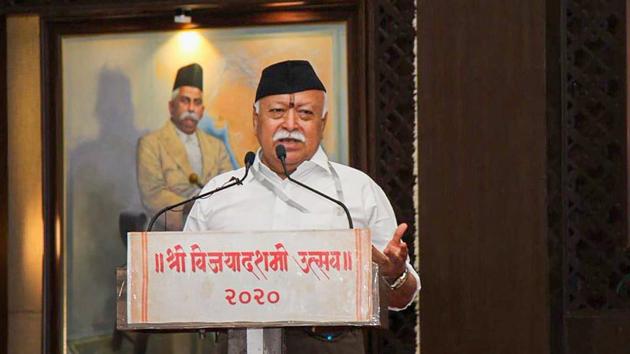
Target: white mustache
{"points": [[191, 115], [285, 134]]}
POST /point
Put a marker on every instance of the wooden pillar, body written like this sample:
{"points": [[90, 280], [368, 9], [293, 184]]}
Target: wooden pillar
{"points": [[482, 167]]}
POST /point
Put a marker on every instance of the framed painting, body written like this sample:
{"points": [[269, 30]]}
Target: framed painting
{"points": [[108, 83]]}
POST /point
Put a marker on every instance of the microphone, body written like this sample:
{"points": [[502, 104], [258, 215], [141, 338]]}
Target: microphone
{"points": [[194, 179], [281, 152], [249, 161]]}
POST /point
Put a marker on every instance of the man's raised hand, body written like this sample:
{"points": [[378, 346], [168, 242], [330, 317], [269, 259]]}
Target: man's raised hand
{"points": [[393, 260]]}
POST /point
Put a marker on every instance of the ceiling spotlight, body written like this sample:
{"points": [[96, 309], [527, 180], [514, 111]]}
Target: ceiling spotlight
{"points": [[182, 15]]}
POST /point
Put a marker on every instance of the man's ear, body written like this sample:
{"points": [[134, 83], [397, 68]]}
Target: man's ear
{"points": [[324, 120], [254, 119], [171, 107]]}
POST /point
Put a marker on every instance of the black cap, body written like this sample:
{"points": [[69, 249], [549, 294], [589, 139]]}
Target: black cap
{"points": [[288, 77], [189, 75]]}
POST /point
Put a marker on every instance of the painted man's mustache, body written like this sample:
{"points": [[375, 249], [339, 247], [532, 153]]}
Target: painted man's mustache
{"points": [[190, 115]]}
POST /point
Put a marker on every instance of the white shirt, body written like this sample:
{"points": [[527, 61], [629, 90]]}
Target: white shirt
{"points": [[267, 202], [193, 151]]}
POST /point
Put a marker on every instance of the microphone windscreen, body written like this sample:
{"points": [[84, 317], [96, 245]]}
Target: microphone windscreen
{"points": [[249, 158], [281, 151], [193, 179]]}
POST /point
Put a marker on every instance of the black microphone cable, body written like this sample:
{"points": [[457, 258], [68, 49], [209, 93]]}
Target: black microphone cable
{"points": [[249, 161], [281, 152]]}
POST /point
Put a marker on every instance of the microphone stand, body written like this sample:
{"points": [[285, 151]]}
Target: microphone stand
{"points": [[170, 207], [249, 160]]}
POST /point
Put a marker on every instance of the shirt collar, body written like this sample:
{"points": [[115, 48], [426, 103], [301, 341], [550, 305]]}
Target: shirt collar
{"points": [[319, 160], [183, 136], [263, 169]]}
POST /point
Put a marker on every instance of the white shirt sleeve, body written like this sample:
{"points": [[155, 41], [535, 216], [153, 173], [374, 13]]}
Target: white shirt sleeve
{"points": [[382, 222]]}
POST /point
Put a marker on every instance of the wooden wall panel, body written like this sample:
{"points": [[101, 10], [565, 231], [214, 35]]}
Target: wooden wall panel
{"points": [[24, 171], [599, 334], [482, 129], [4, 230]]}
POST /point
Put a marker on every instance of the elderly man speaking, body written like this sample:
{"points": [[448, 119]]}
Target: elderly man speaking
{"points": [[290, 109]]}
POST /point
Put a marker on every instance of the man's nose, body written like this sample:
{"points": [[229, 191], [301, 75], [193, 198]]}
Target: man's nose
{"points": [[290, 121]]}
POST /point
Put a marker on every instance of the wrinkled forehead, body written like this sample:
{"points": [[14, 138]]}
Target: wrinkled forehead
{"points": [[190, 92], [310, 97]]}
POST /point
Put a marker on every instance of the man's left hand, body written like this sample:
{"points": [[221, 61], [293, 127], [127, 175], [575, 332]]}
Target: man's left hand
{"points": [[395, 260], [392, 263]]}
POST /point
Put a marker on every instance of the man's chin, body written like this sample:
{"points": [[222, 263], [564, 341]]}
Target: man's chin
{"points": [[188, 127], [291, 145]]}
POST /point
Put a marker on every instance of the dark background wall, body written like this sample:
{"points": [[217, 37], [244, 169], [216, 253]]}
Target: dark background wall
{"points": [[524, 177], [483, 218]]}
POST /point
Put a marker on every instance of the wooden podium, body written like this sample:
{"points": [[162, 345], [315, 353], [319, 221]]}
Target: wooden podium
{"points": [[182, 281]]}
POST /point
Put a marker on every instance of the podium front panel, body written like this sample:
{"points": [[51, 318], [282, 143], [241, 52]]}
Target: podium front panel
{"points": [[250, 279]]}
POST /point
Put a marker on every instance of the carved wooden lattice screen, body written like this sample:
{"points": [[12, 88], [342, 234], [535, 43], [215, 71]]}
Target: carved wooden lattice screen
{"points": [[588, 177], [394, 90]]}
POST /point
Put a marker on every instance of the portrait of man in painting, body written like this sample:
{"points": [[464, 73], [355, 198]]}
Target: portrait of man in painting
{"points": [[177, 160], [147, 127]]}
